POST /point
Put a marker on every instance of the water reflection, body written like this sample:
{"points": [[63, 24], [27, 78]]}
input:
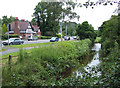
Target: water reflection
{"points": [[95, 61]]}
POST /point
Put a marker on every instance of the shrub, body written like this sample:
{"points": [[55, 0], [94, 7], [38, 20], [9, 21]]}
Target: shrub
{"points": [[44, 37], [10, 36]]}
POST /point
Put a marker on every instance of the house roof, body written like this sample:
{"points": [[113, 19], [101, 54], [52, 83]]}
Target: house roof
{"points": [[36, 28], [23, 25]]}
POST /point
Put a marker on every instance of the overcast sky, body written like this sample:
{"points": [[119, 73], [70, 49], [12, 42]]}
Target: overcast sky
{"points": [[23, 9]]}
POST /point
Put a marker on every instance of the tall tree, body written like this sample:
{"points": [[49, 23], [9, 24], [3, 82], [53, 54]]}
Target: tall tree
{"points": [[5, 22], [110, 33], [85, 30], [4, 29], [48, 14]]}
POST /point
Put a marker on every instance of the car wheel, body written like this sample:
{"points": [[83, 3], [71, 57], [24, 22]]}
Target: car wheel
{"points": [[11, 43], [20, 43]]}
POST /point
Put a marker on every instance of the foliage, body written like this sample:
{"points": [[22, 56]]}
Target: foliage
{"points": [[5, 22], [10, 36], [98, 39], [44, 65], [85, 30], [47, 17], [0, 28], [110, 34], [44, 37], [71, 28], [4, 29]]}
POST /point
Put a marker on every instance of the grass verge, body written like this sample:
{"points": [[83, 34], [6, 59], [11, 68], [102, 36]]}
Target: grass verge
{"points": [[44, 65]]}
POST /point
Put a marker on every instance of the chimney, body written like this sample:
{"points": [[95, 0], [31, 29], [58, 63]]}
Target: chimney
{"points": [[17, 26], [22, 20]]}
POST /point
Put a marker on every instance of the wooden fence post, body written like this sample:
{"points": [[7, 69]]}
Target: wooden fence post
{"points": [[9, 61]]}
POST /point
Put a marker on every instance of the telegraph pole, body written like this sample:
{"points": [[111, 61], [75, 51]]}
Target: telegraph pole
{"points": [[8, 34], [61, 30], [66, 29]]}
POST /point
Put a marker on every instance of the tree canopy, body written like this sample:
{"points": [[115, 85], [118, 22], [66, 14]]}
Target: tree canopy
{"points": [[5, 22], [48, 14], [110, 33], [85, 30]]}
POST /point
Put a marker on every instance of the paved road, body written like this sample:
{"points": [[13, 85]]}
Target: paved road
{"points": [[36, 41], [11, 49]]}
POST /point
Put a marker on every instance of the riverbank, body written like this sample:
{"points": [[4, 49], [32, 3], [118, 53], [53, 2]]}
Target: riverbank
{"points": [[45, 64]]}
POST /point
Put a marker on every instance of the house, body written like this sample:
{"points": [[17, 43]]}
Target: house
{"points": [[24, 28]]}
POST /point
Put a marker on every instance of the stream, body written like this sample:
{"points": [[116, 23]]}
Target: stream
{"points": [[94, 62], [88, 63]]}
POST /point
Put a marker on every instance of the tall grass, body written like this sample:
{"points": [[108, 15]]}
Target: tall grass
{"points": [[43, 65]]}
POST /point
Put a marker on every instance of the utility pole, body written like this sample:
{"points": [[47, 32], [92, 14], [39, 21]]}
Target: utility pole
{"points": [[8, 34], [66, 29], [61, 30]]}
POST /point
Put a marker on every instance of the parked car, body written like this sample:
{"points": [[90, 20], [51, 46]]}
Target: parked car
{"points": [[53, 39], [74, 37], [13, 41], [30, 38], [66, 37]]}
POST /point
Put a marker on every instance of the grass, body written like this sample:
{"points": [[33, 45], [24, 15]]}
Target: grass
{"points": [[2, 50], [42, 66], [31, 45]]}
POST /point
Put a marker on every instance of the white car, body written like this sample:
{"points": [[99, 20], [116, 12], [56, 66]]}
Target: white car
{"points": [[66, 37], [13, 41], [30, 38]]}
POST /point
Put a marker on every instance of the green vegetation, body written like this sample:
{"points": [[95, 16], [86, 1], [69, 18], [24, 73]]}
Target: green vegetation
{"points": [[110, 34], [43, 66], [44, 37], [85, 30], [98, 39], [5, 37], [31, 45], [71, 28], [2, 50], [46, 14]]}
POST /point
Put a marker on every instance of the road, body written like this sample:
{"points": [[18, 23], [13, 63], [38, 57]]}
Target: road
{"points": [[11, 49], [36, 41]]}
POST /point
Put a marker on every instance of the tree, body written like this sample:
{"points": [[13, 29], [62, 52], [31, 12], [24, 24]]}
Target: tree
{"points": [[71, 28], [4, 29], [85, 30], [110, 31], [0, 28], [47, 17], [5, 22]]}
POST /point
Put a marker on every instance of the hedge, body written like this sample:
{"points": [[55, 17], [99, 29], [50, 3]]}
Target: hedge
{"points": [[4, 37]]}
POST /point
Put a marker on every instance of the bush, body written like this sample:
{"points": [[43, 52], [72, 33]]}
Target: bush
{"points": [[4, 37], [44, 37], [59, 35], [98, 40]]}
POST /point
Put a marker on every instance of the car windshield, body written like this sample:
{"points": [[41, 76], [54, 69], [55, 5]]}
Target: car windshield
{"points": [[11, 39], [53, 38]]}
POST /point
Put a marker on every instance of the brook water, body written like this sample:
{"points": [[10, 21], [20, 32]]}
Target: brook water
{"points": [[89, 62]]}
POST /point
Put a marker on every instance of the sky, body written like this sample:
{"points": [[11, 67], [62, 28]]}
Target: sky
{"points": [[23, 9]]}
